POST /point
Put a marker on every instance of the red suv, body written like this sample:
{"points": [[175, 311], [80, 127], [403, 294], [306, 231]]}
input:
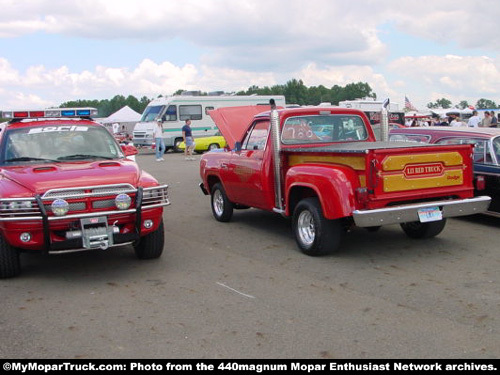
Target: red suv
{"points": [[66, 185]]}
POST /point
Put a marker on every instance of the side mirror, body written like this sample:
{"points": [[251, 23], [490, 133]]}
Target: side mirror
{"points": [[237, 146], [129, 150]]}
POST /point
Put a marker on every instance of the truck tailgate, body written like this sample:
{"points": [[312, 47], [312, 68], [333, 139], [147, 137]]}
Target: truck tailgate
{"points": [[419, 173]]}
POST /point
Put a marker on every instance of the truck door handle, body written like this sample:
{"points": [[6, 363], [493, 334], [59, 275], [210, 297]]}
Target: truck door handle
{"points": [[223, 165]]}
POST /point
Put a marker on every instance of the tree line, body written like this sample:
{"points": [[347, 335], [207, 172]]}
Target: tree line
{"points": [[445, 104], [294, 91]]}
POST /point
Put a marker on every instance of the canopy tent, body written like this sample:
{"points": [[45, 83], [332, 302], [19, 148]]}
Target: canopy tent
{"points": [[126, 118], [463, 113], [414, 114], [125, 114]]}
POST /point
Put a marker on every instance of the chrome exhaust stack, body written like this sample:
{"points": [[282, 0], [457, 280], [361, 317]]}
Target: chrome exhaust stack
{"points": [[384, 121], [275, 138]]}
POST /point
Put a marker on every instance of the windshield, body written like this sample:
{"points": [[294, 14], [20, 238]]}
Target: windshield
{"points": [[63, 142], [323, 129], [151, 113], [496, 148]]}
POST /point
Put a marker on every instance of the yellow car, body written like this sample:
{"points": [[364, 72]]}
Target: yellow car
{"points": [[202, 144]]}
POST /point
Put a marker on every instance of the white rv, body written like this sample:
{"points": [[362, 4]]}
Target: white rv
{"points": [[174, 110]]}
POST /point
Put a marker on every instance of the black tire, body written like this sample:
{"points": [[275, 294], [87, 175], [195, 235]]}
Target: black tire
{"points": [[419, 230], [151, 245], [314, 234], [222, 207], [213, 146], [373, 229], [10, 264]]}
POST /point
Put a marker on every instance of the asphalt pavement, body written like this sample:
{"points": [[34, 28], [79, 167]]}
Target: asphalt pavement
{"points": [[243, 290]]}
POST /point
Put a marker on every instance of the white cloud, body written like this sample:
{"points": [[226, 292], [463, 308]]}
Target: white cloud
{"points": [[257, 42], [453, 77], [470, 24], [424, 79]]}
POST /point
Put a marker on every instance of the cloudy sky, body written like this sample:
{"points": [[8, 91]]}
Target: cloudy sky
{"points": [[53, 51]]}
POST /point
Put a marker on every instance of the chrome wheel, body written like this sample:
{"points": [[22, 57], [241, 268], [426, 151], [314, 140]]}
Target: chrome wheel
{"points": [[218, 203], [314, 234], [305, 228], [222, 207]]}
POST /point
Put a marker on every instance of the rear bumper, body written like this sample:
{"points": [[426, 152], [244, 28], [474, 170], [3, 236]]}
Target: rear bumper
{"points": [[408, 213]]}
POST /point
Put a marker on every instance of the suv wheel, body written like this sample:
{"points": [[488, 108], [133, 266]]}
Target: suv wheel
{"points": [[151, 245], [10, 264]]}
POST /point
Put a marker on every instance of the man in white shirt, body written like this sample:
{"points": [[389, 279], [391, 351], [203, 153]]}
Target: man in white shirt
{"points": [[159, 143], [474, 121]]}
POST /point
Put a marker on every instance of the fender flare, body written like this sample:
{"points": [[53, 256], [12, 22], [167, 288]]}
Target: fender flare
{"points": [[334, 185]]}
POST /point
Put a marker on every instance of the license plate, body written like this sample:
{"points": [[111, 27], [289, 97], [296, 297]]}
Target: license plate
{"points": [[430, 214]]}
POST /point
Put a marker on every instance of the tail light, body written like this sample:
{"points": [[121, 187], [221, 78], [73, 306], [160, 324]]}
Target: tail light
{"points": [[362, 195], [480, 183]]}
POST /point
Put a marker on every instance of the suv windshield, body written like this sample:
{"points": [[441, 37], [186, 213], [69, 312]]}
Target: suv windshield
{"points": [[65, 142], [323, 129]]}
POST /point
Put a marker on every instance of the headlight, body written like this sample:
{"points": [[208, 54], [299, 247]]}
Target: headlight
{"points": [[122, 201], [26, 204], [14, 205], [60, 207]]}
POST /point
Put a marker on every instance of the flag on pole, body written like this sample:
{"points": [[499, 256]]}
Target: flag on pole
{"points": [[408, 105]]}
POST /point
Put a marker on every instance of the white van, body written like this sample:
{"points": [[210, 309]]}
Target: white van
{"points": [[174, 110]]}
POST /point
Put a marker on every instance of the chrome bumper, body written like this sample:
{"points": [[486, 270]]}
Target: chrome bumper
{"points": [[409, 212]]}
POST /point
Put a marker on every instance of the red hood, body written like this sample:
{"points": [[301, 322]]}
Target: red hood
{"points": [[233, 121], [42, 177]]}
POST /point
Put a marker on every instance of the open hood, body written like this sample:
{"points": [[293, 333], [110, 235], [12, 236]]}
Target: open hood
{"points": [[233, 121]]}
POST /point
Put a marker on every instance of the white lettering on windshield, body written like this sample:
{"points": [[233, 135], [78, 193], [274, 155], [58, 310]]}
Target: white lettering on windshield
{"points": [[64, 128]]}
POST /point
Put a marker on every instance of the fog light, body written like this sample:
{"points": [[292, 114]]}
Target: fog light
{"points": [[123, 201], [148, 224], [25, 237], [60, 207]]}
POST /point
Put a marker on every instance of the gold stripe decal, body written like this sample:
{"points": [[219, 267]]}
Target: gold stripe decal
{"points": [[399, 162], [398, 182], [355, 162]]}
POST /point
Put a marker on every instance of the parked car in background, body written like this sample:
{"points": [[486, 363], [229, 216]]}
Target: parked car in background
{"points": [[203, 144], [486, 153]]}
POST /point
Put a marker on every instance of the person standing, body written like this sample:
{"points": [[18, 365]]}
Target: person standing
{"points": [[160, 144], [474, 120], [494, 120], [187, 135], [486, 120], [456, 122]]}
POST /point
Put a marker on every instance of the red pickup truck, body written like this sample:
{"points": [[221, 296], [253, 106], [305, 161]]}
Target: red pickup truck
{"points": [[323, 167], [66, 185]]}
